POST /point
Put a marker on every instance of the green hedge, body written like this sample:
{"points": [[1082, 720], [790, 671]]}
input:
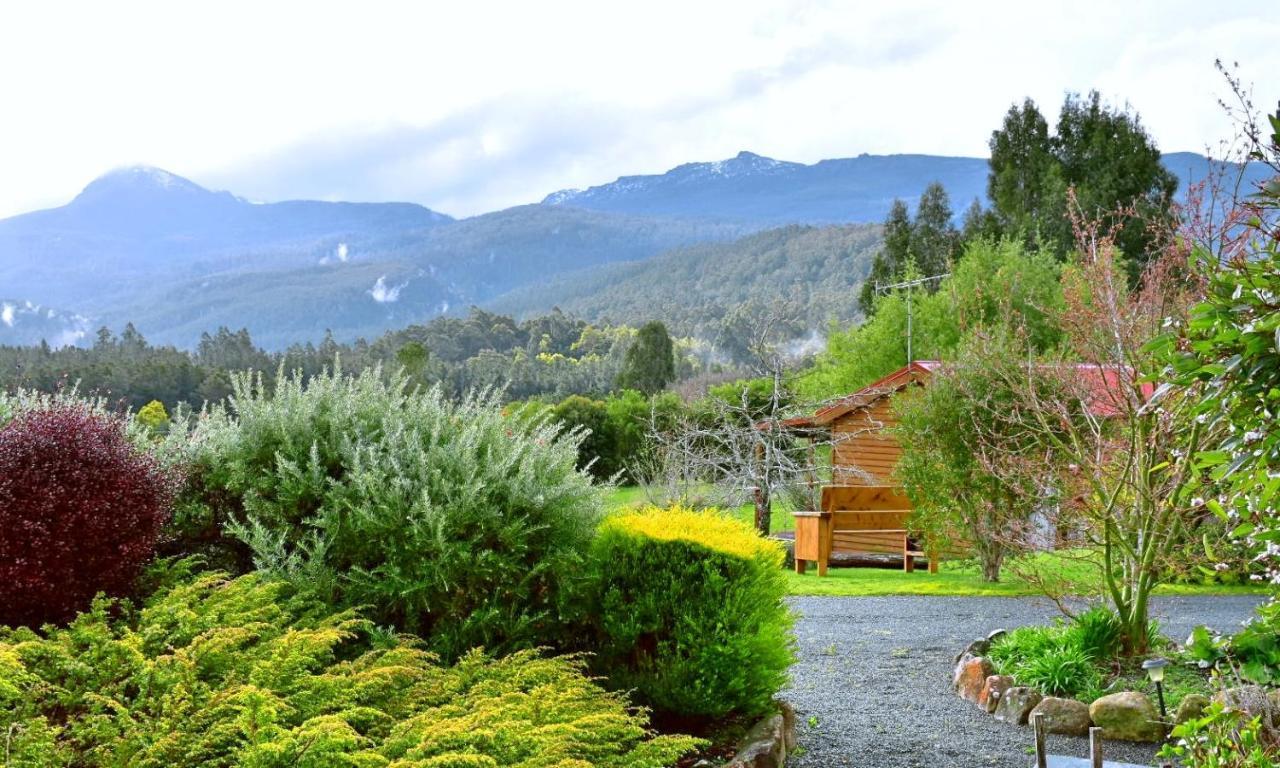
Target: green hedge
{"points": [[248, 672], [447, 519], [690, 612]]}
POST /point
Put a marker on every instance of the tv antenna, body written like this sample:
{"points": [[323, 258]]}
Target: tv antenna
{"points": [[908, 284]]}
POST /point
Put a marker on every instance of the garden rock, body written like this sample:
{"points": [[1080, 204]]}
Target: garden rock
{"points": [[1127, 716], [992, 690], [1016, 705], [974, 649], [1066, 716], [970, 677], [764, 746], [1191, 707], [1253, 700], [788, 725]]}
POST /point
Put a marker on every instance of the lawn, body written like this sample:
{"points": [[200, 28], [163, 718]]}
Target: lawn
{"points": [[963, 578], [955, 578]]}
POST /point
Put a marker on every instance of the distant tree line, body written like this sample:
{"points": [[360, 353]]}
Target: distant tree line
{"points": [[549, 357]]}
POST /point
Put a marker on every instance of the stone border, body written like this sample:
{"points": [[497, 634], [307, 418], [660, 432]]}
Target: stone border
{"points": [[1125, 715], [768, 742]]}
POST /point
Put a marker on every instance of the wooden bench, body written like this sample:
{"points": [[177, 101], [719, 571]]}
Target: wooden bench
{"points": [[868, 518]]}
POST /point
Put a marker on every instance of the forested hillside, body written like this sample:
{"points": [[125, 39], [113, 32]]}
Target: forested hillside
{"points": [[814, 270], [406, 278]]}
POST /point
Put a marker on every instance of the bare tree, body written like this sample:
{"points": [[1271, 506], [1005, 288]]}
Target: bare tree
{"points": [[752, 447]]}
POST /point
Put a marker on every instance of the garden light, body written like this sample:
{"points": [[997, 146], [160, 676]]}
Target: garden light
{"points": [[1155, 671]]}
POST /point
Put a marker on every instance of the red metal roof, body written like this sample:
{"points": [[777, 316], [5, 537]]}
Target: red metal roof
{"points": [[1106, 387]]}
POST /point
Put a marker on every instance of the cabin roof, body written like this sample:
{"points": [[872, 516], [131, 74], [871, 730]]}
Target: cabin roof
{"points": [[917, 370], [1104, 384]]}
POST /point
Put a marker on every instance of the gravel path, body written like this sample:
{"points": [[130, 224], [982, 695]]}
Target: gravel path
{"points": [[872, 688]]}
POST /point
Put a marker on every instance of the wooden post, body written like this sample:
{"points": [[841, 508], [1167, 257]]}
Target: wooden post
{"points": [[1095, 746], [1037, 726], [825, 536], [908, 559]]}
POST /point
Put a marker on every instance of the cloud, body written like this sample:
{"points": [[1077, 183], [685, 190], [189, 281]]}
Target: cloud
{"points": [[468, 108], [6, 314], [384, 294]]}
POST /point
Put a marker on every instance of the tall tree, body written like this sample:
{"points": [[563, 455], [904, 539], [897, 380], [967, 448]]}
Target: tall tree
{"points": [[1110, 160], [1101, 152], [892, 257], [649, 365], [1024, 182], [933, 235], [930, 242]]}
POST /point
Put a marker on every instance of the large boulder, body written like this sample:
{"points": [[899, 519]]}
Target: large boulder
{"points": [[1065, 716], [970, 676], [1127, 716], [1016, 705], [992, 690], [1191, 707]]}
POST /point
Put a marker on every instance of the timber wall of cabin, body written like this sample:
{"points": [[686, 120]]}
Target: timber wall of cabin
{"points": [[863, 445]]}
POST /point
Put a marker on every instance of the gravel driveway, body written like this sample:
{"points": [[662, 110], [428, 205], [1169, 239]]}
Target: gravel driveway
{"points": [[872, 688]]}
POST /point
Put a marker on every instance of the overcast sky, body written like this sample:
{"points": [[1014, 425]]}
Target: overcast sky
{"points": [[472, 106]]}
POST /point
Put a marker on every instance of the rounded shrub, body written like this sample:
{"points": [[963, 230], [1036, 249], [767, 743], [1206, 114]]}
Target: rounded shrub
{"points": [[446, 519], [249, 671], [81, 508], [690, 612]]}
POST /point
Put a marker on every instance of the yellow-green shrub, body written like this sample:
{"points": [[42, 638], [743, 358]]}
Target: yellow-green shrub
{"points": [[690, 611], [246, 672]]}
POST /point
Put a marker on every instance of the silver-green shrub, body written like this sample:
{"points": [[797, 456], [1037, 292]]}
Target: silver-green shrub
{"points": [[452, 520]]}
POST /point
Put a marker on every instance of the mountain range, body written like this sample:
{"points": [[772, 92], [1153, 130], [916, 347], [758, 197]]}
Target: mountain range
{"points": [[146, 246]]}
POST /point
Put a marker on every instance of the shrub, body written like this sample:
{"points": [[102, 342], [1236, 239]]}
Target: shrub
{"points": [[690, 612], [1254, 651], [447, 519], [248, 672], [1222, 738], [153, 416], [1022, 643], [1100, 634], [1063, 670], [1060, 660], [80, 509]]}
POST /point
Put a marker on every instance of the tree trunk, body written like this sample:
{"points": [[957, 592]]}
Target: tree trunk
{"points": [[764, 510], [992, 557]]}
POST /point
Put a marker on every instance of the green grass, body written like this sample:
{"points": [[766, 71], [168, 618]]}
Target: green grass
{"points": [[963, 578], [960, 578]]}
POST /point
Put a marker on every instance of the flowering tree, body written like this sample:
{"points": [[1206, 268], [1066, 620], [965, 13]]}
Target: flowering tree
{"points": [[1095, 428], [1231, 346]]}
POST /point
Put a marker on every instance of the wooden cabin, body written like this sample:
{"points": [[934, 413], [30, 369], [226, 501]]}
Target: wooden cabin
{"points": [[864, 511], [865, 451]]}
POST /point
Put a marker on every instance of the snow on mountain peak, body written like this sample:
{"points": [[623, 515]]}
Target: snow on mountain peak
{"points": [[741, 165]]}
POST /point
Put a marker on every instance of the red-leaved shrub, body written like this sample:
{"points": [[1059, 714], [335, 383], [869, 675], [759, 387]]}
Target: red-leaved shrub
{"points": [[80, 510]]}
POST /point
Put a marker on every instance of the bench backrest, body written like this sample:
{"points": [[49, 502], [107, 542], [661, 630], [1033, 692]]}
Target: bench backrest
{"points": [[837, 498]]}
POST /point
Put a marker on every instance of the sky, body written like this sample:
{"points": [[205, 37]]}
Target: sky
{"points": [[476, 106]]}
